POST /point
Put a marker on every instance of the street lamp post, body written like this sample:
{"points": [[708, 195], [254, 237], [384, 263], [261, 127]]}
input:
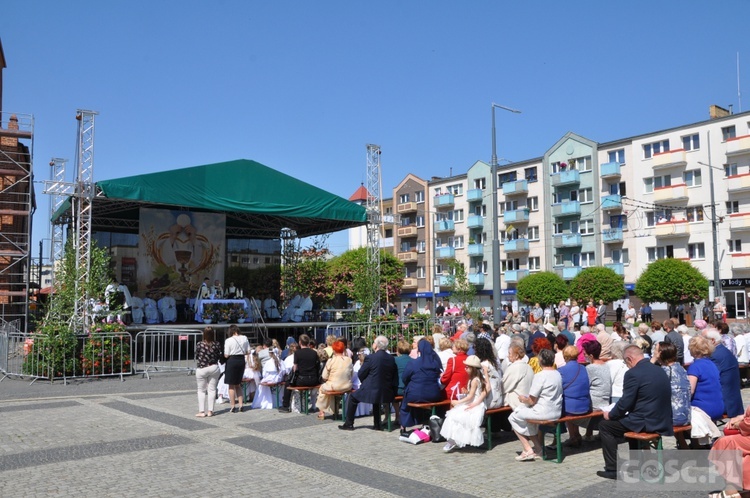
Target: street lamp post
{"points": [[714, 221], [495, 228]]}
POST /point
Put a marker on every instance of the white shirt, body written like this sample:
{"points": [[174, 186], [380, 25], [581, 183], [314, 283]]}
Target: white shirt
{"points": [[502, 343], [741, 342], [236, 345]]}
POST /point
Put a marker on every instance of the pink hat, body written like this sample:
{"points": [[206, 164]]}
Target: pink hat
{"points": [[700, 324]]}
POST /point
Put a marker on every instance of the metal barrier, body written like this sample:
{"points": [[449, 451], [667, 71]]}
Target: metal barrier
{"points": [[349, 331], [64, 356], [165, 350], [392, 330]]}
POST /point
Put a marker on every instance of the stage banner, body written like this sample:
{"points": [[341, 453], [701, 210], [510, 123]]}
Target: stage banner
{"points": [[178, 249]]}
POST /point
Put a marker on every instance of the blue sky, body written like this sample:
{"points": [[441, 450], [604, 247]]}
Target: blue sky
{"points": [[303, 86]]}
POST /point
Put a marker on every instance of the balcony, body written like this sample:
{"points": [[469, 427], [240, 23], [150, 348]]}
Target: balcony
{"points": [[445, 252], [568, 272], [475, 221], [476, 279], [612, 202], [739, 222], [741, 261], [513, 276], [410, 283], [738, 183], [408, 256], [516, 216], [567, 177], [668, 229], [476, 250], [672, 193], [567, 208], [518, 187], [444, 201], [444, 280], [738, 146], [610, 170], [474, 195], [568, 240], [443, 226], [618, 268], [406, 207], [517, 245], [407, 231], [669, 159], [612, 236]]}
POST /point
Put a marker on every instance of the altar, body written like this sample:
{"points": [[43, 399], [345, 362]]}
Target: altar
{"points": [[216, 302]]}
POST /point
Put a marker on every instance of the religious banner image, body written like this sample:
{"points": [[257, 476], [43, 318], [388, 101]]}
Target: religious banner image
{"points": [[178, 249]]}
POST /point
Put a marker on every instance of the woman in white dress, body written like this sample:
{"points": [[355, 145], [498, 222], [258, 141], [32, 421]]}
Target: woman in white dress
{"points": [[463, 422], [272, 373], [544, 402], [363, 409]]}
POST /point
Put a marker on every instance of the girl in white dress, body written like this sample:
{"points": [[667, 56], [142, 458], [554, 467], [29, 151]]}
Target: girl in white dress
{"points": [[273, 373], [463, 422]]}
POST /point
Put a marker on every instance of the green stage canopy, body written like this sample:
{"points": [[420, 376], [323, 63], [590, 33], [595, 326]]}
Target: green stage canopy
{"points": [[258, 201]]}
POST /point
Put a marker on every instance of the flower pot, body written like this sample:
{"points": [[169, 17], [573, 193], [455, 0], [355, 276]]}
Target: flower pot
{"points": [[240, 320], [207, 320]]}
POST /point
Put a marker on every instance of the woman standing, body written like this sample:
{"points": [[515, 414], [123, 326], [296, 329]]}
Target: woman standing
{"points": [[236, 349], [337, 375], [207, 356]]}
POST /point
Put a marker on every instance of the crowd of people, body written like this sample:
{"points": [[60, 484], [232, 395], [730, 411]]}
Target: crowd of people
{"points": [[649, 378]]}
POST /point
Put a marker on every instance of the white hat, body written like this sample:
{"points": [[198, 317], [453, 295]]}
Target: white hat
{"points": [[473, 361], [549, 327]]}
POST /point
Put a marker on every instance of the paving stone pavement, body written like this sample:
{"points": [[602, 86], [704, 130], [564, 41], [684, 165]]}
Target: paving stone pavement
{"points": [[140, 438]]}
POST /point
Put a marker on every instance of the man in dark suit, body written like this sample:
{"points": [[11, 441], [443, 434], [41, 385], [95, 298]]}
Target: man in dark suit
{"points": [[379, 376], [645, 406]]}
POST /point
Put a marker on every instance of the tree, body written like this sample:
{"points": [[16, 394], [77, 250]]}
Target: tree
{"points": [[543, 288], [671, 281], [311, 272], [597, 283], [349, 275], [462, 292]]}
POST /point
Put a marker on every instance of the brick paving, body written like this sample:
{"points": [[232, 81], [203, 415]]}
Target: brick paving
{"points": [[140, 438]]}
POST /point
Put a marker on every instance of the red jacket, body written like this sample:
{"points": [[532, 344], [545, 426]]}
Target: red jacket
{"points": [[455, 378]]}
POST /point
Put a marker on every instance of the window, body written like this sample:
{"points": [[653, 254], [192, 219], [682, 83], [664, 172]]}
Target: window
{"points": [[580, 163], [620, 256], [587, 227], [733, 207], [728, 132], [587, 259], [692, 178], [697, 251], [735, 245], [510, 265], [657, 182], [420, 220], [421, 246], [535, 263], [691, 142], [694, 213], [483, 238], [405, 246], [509, 206], [532, 203], [558, 228], [484, 267], [655, 148], [660, 252], [730, 169], [403, 198], [256, 261], [617, 156], [658, 216], [421, 273], [559, 260], [405, 221], [557, 198], [507, 177], [419, 196], [533, 233], [456, 189], [480, 183], [530, 174], [458, 215], [586, 195], [558, 166], [458, 242]]}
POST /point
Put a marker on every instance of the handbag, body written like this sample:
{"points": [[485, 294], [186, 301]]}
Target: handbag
{"points": [[435, 424], [291, 377]]}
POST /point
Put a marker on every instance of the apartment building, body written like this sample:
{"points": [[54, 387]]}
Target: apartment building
{"points": [[410, 238]]}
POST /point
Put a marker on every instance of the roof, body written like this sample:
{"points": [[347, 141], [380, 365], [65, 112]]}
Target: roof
{"points": [[360, 195], [258, 201]]}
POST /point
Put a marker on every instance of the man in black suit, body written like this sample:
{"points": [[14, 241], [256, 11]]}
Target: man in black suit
{"points": [[379, 376], [645, 406]]}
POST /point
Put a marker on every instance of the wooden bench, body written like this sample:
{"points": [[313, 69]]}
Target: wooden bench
{"points": [[652, 440], [304, 392], [488, 416], [558, 430], [338, 397], [430, 405], [275, 389], [387, 406]]}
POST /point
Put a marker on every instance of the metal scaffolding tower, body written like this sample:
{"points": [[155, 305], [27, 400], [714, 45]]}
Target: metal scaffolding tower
{"points": [[57, 242], [16, 210], [289, 260], [374, 220]]}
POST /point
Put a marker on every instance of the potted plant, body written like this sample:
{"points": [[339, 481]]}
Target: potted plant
{"points": [[208, 313]]}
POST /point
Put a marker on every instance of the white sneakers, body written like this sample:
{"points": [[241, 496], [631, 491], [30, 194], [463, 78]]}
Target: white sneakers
{"points": [[449, 446]]}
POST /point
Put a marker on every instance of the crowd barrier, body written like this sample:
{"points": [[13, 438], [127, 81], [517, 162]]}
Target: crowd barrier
{"points": [[392, 330], [165, 350], [52, 357]]}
